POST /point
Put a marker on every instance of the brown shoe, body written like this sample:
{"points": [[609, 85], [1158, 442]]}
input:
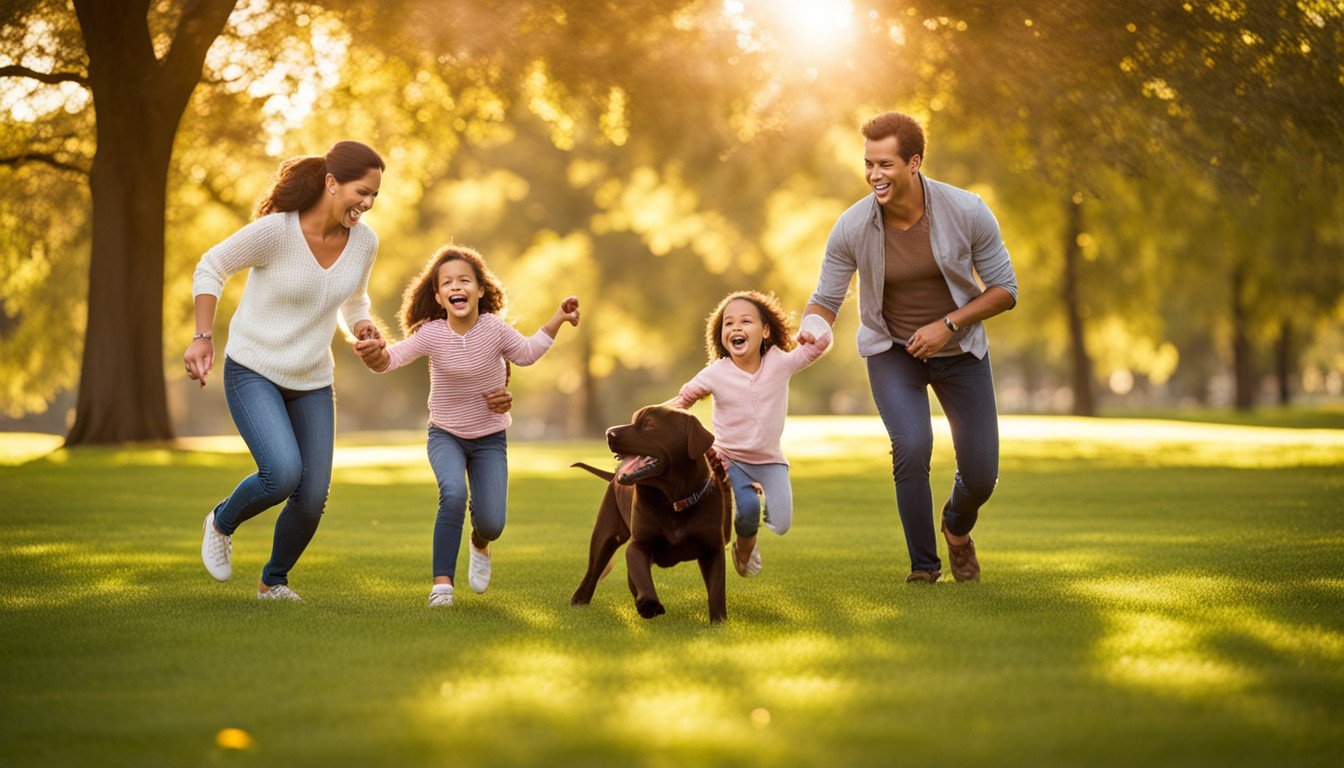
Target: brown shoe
{"points": [[965, 565], [923, 577]]}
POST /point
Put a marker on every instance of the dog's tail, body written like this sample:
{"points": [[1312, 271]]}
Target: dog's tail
{"points": [[608, 476]]}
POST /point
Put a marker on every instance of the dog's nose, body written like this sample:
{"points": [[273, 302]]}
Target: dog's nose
{"points": [[611, 433]]}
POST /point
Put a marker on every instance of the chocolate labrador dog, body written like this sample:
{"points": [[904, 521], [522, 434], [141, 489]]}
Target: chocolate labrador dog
{"points": [[670, 498]]}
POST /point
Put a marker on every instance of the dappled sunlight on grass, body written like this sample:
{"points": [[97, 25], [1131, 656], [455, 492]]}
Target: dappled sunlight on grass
{"points": [[666, 714], [1289, 639], [664, 704], [767, 655], [867, 610], [43, 550], [1130, 441], [808, 691], [212, 444], [1166, 655], [1062, 561], [1331, 585], [379, 456], [74, 574], [522, 676], [385, 475], [533, 616], [1180, 590], [22, 447], [1164, 443], [1190, 635], [1135, 608]]}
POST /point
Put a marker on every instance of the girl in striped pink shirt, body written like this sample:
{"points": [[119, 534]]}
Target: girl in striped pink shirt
{"points": [[449, 312], [751, 359]]}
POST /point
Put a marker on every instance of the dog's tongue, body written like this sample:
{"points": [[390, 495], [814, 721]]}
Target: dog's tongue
{"points": [[630, 466]]}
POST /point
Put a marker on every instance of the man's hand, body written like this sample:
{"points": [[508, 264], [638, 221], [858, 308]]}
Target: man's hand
{"points": [[927, 341], [499, 401]]}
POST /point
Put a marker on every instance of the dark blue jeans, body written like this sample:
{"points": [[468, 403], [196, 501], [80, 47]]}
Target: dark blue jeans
{"points": [[290, 435], [964, 385], [484, 463]]}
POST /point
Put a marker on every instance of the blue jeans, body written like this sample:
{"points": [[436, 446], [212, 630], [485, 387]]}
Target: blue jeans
{"points": [[774, 482], [482, 463], [964, 385], [290, 434]]}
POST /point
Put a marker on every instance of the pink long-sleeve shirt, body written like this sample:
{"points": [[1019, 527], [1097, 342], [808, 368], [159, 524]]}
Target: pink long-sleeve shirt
{"points": [[463, 367], [749, 408]]}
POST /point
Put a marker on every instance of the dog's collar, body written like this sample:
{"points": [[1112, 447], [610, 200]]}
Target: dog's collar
{"points": [[690, 501]]}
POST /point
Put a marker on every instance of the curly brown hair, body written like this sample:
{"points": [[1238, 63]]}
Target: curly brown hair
{"points": [[417, 301], [773, 317]]}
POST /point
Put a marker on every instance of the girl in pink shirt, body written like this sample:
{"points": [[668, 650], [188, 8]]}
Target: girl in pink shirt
{"points": [[752, 357], [449, 312]]}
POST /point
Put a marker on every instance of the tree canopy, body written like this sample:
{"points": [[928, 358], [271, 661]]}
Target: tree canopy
{"points": [[1167, 176]]}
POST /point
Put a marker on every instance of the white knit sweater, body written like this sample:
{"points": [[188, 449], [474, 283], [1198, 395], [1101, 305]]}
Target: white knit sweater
{"points": [[287, 316]]}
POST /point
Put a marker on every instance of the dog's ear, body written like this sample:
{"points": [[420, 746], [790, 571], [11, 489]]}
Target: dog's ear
{"points": [[698, 439]]}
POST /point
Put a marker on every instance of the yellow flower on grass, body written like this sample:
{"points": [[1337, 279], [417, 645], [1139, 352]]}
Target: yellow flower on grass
{"points": [[234, 738]]}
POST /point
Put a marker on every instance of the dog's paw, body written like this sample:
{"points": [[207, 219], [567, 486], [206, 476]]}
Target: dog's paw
{"points": [[649, 608]]}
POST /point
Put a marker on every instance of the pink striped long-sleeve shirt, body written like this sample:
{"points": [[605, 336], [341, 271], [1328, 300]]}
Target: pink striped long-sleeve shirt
{"points": [[749, 408], [463, 367]]}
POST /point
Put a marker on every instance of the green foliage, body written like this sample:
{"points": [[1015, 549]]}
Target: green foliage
{"points": [[1153, 592], [656, 155], [43, 279]]}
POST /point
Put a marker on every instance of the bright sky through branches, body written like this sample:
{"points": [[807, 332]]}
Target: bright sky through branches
{"points": [[814, 28]]}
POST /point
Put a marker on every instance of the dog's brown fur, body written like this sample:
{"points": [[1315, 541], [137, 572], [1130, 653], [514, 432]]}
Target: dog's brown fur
{"points": [[641, 509]]}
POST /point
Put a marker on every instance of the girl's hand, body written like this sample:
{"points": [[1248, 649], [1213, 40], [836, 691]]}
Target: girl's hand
{"points": [[365, 329], [374, 353], [717, 467], [199, 359], [569, 311], [499, 401], [927, 341]]}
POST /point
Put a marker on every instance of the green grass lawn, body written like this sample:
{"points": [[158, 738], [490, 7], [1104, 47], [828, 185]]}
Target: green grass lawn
{"points": [[1154, 593]]}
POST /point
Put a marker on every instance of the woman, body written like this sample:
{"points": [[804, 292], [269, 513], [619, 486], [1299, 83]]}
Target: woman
{"points": [[310, 256]]}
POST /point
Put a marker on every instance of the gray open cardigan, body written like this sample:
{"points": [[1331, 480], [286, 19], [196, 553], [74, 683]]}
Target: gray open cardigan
{"points": [[966, 244]]}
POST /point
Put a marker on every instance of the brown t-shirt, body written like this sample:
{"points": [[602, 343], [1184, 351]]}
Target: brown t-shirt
{"points": [[915, 293]]}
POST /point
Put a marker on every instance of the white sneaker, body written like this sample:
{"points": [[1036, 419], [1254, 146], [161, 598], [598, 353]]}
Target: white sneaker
{"points": [[478, 575], [279, 592], [216, 550], [441, 596]]}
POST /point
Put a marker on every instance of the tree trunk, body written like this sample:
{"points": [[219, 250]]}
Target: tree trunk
{"points": [[1243, 355], [1283, 362], [592, 422], [121, 388], [1084, 402], [139, 100]]}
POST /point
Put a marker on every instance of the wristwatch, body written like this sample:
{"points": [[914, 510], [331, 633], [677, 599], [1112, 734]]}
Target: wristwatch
{"points": [[951, 326]]}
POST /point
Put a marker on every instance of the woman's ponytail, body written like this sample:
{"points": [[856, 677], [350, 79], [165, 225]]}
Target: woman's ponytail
{"points": [[298, 184], [301, 180]]}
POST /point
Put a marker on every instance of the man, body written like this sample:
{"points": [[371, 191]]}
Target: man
{"points": [[919, 246]]}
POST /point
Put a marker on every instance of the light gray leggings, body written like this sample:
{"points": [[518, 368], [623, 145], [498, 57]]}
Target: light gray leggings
{"points": [[774, 481]]}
